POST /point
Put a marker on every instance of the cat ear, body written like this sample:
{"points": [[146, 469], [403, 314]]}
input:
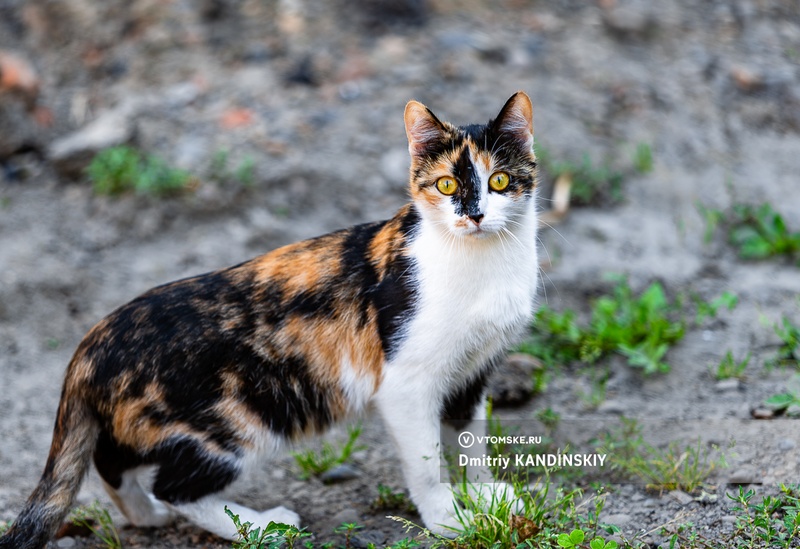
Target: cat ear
{"points": [[422, 128], [516, 118]]}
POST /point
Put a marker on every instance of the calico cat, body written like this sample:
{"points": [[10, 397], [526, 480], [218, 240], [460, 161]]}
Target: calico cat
{"points": [[193, 380]]}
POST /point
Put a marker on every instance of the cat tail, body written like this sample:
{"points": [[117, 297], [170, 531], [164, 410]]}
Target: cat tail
{"points": [[74, 439]]}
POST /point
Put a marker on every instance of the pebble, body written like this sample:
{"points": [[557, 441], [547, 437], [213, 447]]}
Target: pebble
{"points": [[612, 406], [617, 519], [340, 473], [363, 540], [681, 497], [66, 542], [346, 516], [742, 476], [727, 385], [72, 153], [762, 413]]}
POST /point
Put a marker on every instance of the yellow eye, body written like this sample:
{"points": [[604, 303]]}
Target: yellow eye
{"points": [[446, 185], [499, 181]]}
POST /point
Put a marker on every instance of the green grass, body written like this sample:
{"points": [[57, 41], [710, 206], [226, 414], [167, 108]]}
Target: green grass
{"points": [[756, 232], [270, 536], [392, 500], [124, 169], [640, 327], [676, 467], [789, 350], [97, 519], [730, 368], [314, 463]]}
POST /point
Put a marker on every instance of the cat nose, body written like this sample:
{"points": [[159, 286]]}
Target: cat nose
{"points": [[476, 218]]}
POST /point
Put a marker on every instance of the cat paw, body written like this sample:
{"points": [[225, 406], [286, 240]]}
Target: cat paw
{"points": [[280, 514]]}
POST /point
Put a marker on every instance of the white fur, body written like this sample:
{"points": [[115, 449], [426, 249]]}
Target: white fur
{"points": [[476, 295], [139, 507]]}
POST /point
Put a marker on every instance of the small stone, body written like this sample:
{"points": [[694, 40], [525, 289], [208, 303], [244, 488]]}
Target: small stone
{"points": [[612, 406], [340, 473], [746, 79], [363, 540], [631, 18], [742, 476], [762, 413], [347, 516], [72, 153], [617, 519], [65, 542], [681, 497], [727, 385], [793, 410]]}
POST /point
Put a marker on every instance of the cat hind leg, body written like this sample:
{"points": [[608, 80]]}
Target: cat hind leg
{"points": [[188, 480], [139, 507]]}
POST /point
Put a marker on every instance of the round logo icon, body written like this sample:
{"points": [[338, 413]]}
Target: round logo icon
{"points": [[466, 439]]}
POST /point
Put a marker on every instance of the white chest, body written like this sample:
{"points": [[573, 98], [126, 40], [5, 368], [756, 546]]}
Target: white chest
{"points": [[474, 299]]}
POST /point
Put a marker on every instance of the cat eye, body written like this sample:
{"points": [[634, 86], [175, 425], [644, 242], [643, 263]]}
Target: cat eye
{"points": [[446, 185], [499, 181]]}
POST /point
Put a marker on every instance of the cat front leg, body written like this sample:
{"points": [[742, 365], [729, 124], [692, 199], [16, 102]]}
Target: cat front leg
{"points": [[411, 414]]}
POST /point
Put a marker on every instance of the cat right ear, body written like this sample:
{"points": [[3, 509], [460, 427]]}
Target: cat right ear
{"points": [[422, 128]]}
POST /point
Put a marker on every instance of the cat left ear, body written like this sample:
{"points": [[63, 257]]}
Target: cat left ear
{"points": [[422, 128], [516, 118]]}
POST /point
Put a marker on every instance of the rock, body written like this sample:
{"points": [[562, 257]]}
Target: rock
{"points": [[512, 384], [612, 406], [340, 473], [762, 413], [726, 385], [72, 153], [629, 19], [746, 79], [346, 516], [617, 519], [681, 497], [363, 540], [743, 476], [65, 542]]}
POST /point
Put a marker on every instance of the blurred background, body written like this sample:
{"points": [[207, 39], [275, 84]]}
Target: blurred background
{"points": [[146, 140]]}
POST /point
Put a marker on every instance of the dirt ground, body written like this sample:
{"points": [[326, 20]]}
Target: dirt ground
{"points": [[313, 93]]}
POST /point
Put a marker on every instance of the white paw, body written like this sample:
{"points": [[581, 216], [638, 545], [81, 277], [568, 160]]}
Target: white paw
{"points": [[280, 514]]}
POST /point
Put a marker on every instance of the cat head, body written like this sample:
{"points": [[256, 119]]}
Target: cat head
{"points": [[476, 180]]}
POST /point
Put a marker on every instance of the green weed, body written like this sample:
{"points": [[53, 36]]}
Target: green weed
{"points": [[347, 529], [677, 467], [391, 500], [97, 519], [643, 158], [774, 522], [757, 232], [789, 351], [4, 526], [642, 328], [313, 463], [123, 169], [272, 536], [729, 368], [782, 402]]}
